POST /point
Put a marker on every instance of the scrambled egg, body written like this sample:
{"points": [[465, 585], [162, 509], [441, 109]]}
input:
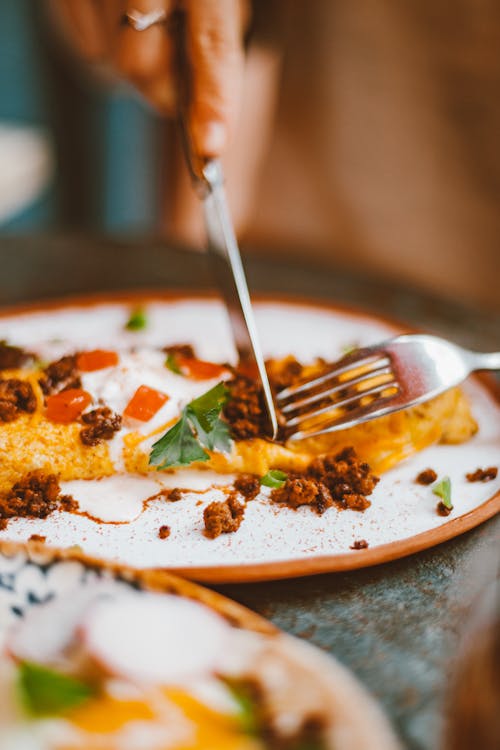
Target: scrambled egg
{"points": [[33, 442]]}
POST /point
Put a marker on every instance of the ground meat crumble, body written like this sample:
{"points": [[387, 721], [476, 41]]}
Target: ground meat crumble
{"points": [[245, 411], [12, 357], [247, 485], [36, 495], [16, 397], [101, 424], [359, 544], [37, 538], [341, 479], [428, 476], [299, 491], [482, 475], [442, 509], [164, 532], [223, 517], [61, 375]]}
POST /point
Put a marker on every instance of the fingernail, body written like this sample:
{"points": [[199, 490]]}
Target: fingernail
{"points": [[211, 138]]}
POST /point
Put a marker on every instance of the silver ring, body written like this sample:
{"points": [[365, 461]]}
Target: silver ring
{"points": [[144, 21]]}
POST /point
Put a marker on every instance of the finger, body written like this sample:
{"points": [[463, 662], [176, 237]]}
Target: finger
{"points": [[82, 22], [145, 57], [214, 43]]}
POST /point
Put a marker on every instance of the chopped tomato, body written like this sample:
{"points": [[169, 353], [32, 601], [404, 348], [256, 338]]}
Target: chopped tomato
{"points": [[145, 403], [198, 369], [248, 369], [97, 359], [66, 406]]}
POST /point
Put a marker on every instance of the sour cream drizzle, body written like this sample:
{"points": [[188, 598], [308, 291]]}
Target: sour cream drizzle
{"points": [[122, 498]]}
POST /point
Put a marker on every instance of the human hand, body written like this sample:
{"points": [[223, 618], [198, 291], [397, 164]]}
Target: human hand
{"points": [[214, 31]]}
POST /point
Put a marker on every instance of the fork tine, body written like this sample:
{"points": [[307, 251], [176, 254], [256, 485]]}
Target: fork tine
{"points": [[292, 406], [336, 405], [377, 358]]}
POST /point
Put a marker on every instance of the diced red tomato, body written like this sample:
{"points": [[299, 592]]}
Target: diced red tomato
{"points": [[145, 403], [248, 369], [66, 406], [197, 369], [97, 359]]}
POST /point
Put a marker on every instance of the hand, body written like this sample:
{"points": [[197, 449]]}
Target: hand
{"points": [[214, 44]]}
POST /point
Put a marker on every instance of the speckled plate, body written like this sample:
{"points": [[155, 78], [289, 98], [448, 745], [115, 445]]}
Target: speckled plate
{"points": [[272, 542], [30, 575]]}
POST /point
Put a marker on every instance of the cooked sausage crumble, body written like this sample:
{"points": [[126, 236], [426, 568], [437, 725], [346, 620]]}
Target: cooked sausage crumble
{"points": [[483, 475], [101, 424], [61, 375], [428, 476], [36, 495], [223, 517], [12, 357], [16, 397]]}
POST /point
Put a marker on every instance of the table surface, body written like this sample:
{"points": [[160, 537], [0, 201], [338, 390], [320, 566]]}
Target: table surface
{"points": [[397, 626]]}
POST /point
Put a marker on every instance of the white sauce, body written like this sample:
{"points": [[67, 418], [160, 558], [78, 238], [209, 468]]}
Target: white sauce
{"points": [[117, 499], [121, 498]]}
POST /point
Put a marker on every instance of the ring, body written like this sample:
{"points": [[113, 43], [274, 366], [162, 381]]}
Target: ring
{"points": [[143, 21]]}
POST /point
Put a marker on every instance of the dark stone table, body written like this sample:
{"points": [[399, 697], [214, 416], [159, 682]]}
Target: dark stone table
{"points": [[397, 625]]}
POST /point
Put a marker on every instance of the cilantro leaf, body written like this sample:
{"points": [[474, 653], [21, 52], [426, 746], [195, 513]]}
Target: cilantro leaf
{"points": [[138, 320], [199, 427], [274, 478], [44, 691], [207, 408], [177, 447], [247, 714], [443, 490], [171, 363], [217, 439], [349, 348]]}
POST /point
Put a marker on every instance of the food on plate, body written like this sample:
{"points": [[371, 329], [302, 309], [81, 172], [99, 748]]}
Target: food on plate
{"points": [[180, 675], [144, 411]]}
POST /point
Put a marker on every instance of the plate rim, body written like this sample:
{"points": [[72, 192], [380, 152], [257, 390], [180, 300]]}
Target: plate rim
{"points": [[287, 568], [337, 678]]}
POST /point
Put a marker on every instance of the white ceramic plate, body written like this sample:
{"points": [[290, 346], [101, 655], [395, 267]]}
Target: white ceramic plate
{"points": [[272, 541]]}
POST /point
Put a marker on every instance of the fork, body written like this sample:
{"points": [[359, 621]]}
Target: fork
{"points": [[375, 381]]}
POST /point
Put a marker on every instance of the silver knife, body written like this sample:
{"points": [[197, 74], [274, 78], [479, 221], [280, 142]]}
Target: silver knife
{"points": [[208, 180], [230, 276]]}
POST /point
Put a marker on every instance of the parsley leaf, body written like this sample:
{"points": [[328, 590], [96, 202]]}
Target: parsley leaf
{"points": [[274, 478], [349, 348], [246, 707], [171, 363], [216, 439], [207, 408], [199, 427], [177, 447], [44, 691], [138, 320], [443, 490]]}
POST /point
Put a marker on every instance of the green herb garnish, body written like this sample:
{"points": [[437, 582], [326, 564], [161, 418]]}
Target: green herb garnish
{"points": [[172, 364], [443, 490], [138, 320], [349, 348], [198, 428], [45, 692], [274, 478], [247, 714]]}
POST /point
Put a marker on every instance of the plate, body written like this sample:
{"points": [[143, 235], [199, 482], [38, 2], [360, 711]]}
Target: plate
{"points": [[272, 542], [29, 578]]}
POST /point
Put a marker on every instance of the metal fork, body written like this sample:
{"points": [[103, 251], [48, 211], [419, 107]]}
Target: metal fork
{"points": [[377, 380]]}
